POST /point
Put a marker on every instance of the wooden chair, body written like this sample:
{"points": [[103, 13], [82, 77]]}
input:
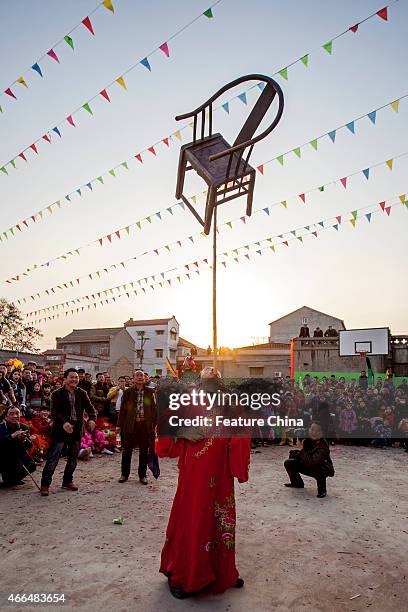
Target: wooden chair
{"points": [[223, 167]]}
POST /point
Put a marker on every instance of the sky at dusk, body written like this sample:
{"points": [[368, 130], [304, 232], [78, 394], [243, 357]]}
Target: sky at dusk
{"points": [[356, 273]]}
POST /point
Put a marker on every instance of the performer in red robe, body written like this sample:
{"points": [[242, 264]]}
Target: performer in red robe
{"points": [[199, 550]]}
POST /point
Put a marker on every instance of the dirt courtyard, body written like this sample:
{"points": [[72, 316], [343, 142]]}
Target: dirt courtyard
{"points": [[295, 552]]}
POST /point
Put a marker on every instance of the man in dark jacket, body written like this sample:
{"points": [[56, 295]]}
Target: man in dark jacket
{"points": [[68, 405], [14, 442], [311, 459], [137, 422]]}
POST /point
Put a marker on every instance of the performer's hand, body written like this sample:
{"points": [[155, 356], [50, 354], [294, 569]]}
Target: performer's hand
{"points": [[299, 444], [91, 425], [67, 427], [20, 433]]}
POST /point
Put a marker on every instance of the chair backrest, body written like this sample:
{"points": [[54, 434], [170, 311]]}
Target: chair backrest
{"points": [[256, 115]]}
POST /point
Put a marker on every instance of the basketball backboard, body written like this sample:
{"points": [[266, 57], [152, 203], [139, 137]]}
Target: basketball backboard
{"points": [[372, 341]]}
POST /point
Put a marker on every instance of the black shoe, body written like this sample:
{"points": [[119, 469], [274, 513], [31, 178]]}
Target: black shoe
{"points": [[122, 479], [178, 593], [322, 494], [239, 583], [143, 480], [294, 486]]}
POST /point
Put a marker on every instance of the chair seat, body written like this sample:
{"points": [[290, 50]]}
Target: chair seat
{"points": [[214, 172]]}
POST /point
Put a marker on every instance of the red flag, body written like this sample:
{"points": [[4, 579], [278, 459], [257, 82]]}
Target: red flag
{"points": [[260, 169], [302, 197], [87, 23], [151, 149], [165, 48], [109, 237], [47, 138], [354, 28], [338, 219], [25, 222], [196, 264], [243, 219], [34, 148], [139, 158], [18, 227], [156, 251], [10, 93], [382, 205], [343, 181], [33, 218], [166, 141], [246, 255], [205, 261], [388, 210], [52, 54], [22, 156], [187, 266], [285, 242], [314, 234], [179, 242], [104, 93], [224, 263], [117, 233], [383, 13], [100, 240]]}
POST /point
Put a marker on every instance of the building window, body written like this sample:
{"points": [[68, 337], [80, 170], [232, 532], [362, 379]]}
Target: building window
{"points": [[305, 320], [173, 333], [159, 332], [159, 353], [172, 354], [256, 371]]}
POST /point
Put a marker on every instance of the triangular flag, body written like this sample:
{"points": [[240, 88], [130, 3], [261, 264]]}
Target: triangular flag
{"points": [[343, 181], [389, 163], [368, 217], [108, 4], [366, 173], [226, 107], [353, 222], [112, 172], [208, 13], [383, 13], [70, 120], [305, 60], [372, 116], [285, 242], [100, 179], [284, 203], [69, 41], [4, 170], [388, 210], [139, 158], [354, 214], [151, 149], [87, 108], [261, 86], [47, 138], [394, 105], [321, 223], [22, 82], [336, 227], [243, 97], [158, 214], [177, 135], [338, 219], [13, 161], [165, 48], [314, 234], [332, 135], [166, 142], [104, 93], [146, 64], [328, 47], [243, 219], [350, 126], [124, 165], [260, 169], [382, 205], [37, 68], [34, 148], [52, 54], [284, 73], [280, 159], [402, 198], [266, 210], [56, 130], [87, 23], [302, 196], [314, 143], [300, 238], [354, 28], [89, 185], [10, 93], [121, 82]]}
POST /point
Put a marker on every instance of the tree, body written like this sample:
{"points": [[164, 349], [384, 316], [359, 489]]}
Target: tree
{"points": [[15, 335]]}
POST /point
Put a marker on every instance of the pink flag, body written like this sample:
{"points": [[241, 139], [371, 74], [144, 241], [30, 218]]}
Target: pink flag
{"points": [[52, 54], [302, 197], [343, 181], [10, 93], [70, 120], [165, 48], [388, 210]]}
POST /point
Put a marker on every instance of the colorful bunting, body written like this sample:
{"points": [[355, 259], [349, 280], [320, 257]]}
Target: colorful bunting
{"points": [[69, 41], [328, 47], [146, 64], [165, 48], [87, 23], [52, 54], [37, 68]]}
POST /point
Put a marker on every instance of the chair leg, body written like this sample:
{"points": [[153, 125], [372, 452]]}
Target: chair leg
{"points": [[250, 197], [181, 173], [209, 208]]}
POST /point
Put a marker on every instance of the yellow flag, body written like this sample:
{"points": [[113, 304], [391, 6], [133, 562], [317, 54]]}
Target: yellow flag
{"points": [[284, 203], [121, 82], [353, 222], [108, 4], [177, 135], [194, 198], [389, 163], [22, 81], [402, 198], [394, 105]]}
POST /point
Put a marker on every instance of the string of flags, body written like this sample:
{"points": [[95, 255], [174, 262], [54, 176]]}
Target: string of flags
{"points": [[51, 134], [167, 248], [236, 255], [69, 120], [117, 170], [38, 67]]}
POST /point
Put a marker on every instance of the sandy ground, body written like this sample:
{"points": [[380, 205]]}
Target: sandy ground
{"points": [[296, 552]]}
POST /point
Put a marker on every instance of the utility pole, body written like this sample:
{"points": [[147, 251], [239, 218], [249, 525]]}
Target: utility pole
{"points": [[143, 341]]}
